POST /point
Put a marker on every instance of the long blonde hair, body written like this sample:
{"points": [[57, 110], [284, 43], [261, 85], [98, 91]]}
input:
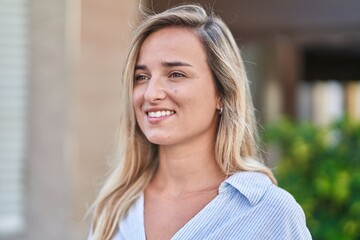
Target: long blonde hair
{"points": [[137, 158]]}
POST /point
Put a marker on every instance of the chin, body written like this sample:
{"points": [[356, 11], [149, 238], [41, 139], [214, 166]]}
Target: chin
{"points": [[159, 140]]}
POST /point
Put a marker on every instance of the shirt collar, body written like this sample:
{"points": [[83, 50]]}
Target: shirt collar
{"points": [[252, 185]]}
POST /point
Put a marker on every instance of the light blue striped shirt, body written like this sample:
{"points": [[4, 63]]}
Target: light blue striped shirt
{"points": [[248, 206]]}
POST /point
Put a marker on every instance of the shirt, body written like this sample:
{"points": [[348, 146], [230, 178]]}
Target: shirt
{"points": [[248, 206]]}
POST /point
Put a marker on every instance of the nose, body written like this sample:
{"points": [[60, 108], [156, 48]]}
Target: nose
{"points": [[155, 90]]}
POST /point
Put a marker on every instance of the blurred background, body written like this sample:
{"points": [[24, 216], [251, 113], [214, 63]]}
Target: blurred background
{"points": [[60, 65]]}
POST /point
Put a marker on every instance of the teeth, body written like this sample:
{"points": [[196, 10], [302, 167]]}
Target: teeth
{"points": [[160, 114]]}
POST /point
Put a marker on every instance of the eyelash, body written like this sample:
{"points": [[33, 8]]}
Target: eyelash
{"points": [[141, 77], [179, 75]]}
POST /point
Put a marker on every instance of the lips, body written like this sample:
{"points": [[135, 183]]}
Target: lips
{"points": [[158, 114]]}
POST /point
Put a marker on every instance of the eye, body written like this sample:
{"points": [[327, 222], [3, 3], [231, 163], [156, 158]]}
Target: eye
{"points": [[141, 77], [176, 75]]}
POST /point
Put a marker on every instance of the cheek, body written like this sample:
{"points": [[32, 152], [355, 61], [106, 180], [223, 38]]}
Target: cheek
{"points": [[173, 89], [137, 105], [137, 98]]}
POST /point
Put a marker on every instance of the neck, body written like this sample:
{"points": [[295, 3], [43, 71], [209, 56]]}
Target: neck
{"points": [[187, 169]]}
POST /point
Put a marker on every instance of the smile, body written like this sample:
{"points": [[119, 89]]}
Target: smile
{"points": [[158, 114]]}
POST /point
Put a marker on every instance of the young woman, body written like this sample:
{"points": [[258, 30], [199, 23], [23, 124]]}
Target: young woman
{"points": [[188, 166]]}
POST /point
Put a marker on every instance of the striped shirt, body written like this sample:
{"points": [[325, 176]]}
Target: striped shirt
{"points": [[248, 206]]}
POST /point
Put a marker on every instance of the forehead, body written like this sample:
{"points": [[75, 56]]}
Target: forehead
{"points": [[172, 42]]}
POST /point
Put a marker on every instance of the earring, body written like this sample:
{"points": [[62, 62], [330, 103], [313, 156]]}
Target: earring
{"points": [[221, 111]]}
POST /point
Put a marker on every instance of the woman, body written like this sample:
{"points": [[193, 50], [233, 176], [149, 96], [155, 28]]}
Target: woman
{"points": [[188, 165]]}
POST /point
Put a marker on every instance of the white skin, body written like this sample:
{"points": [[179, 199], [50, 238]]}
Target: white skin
{"points": [[176, 106]]}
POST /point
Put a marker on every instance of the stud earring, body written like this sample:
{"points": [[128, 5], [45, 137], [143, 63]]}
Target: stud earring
{"points": [[221, 111]]}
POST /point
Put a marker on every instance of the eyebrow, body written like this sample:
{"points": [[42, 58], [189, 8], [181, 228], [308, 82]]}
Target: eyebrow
{"points": [[140, 67], [175, 64], [165, 64]]}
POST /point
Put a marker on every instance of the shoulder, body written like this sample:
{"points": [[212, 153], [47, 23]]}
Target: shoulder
{"points": [[271, 208], [282, 206], [278, 197], [270, 201], [286, 215], [258, 189]]}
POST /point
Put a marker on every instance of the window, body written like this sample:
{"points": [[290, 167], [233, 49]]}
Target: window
{"points": [[13, 78]]}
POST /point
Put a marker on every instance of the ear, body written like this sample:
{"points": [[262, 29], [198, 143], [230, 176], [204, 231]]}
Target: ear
{"points": [[219, 104]]}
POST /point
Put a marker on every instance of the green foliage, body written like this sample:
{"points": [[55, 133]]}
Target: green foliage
{"points": [[320, 167]]}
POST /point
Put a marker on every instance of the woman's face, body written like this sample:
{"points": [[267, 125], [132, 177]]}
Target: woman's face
{"points": [[174, 98]]}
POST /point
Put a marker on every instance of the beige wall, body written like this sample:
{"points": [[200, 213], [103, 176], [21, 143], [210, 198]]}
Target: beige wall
{"points": [[105, 33], [47, 184], [76, 51]]}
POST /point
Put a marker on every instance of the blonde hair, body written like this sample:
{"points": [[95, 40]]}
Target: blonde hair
{"points": [[235, 148]]}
